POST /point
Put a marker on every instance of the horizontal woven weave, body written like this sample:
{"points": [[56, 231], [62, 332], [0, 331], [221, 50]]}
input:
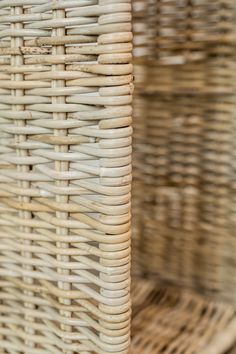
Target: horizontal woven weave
{"points": [[65, 172], [167, 320], [140, 53], [186, 168]]}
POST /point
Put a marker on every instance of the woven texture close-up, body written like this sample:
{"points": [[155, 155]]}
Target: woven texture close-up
{"points": [[170, 320], [65, 173], [76, 151], [186, 99]]}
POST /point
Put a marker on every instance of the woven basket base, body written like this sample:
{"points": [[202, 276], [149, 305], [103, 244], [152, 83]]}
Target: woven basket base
{"points": [[174, 321]]}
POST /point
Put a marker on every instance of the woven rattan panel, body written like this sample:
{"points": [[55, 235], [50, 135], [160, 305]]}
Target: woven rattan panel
{"points": [[187, 105], [173, 321], [140, 53], [65, 115]]}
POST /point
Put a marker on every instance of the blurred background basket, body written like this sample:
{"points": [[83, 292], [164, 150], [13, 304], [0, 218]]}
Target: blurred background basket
{"points": [[184, 163], [188, 170]]}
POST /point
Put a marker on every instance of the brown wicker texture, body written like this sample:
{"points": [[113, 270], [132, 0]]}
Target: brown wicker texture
{"points": [[188, 207], [138, 177], [65, 108], [140, 53], [174, 321], [140, 28]]}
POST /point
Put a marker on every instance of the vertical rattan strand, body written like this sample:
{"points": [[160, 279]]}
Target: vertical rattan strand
{"points": [[61, 166], [18, 60]]}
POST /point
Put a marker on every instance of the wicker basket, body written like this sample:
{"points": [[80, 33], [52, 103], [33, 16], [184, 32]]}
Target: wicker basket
{"points": [[184, 162], [140, 54], [65, 176], [170, 320], [188, 171], [65, 102]]}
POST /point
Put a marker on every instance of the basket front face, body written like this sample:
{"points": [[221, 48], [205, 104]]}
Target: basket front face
{"points": [[65, 172]]}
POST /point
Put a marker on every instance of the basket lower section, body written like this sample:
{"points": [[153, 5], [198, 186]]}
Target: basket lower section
{"points": [[168, 320]]}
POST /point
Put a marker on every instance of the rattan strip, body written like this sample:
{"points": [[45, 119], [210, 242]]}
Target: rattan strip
{"points": [[170, 320], [65, 120]]}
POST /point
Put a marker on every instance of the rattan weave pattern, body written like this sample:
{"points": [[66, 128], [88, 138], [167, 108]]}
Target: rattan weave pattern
{"points": [[140, 53], [167, 320], [187, 212], [65, 115]]}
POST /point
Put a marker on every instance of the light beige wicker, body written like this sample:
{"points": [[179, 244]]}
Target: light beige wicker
{"points": [[65, 115], [65, 173]]}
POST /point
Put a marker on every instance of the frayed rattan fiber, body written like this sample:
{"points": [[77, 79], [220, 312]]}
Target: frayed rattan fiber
{"points": [[65, 115]]}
